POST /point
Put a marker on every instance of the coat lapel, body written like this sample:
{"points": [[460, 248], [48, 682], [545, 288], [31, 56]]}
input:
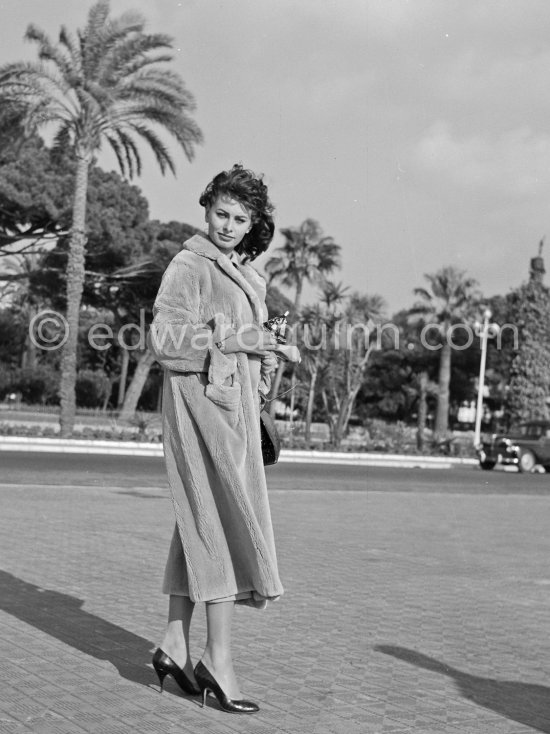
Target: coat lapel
{"points": [[201, 246]]}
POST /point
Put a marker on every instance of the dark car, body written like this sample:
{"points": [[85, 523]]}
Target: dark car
{"points": [[524, 446]]}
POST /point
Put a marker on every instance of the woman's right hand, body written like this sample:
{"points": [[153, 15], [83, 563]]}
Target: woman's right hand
{"points": [[251, 340]]}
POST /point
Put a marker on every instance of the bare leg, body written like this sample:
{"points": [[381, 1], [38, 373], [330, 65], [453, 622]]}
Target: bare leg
{"points": [[176, 639], [217, 653]]}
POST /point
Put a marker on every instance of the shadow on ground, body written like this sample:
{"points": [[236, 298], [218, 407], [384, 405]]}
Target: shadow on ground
{"points": [[526, 703], [61, 616]]}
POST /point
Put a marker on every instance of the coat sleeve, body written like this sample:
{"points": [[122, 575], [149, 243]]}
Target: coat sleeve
{"points": [[177, 338], [269, 364], [269, 361]]}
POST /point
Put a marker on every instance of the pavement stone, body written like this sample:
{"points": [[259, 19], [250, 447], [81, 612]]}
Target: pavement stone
{"points": [[403, 613]]}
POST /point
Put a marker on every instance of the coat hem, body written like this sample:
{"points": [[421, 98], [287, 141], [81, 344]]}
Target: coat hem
{"points": [[249, 598]]}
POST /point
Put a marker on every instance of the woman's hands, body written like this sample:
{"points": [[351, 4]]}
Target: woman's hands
{"points": [[251, 340], [254, 340]]}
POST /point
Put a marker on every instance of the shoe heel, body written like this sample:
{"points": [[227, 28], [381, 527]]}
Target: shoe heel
{"points": [[208, 684], [161, 676], [164, 666]]}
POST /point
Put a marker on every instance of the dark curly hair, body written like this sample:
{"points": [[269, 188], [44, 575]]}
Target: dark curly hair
{"points": [[249, 190]]}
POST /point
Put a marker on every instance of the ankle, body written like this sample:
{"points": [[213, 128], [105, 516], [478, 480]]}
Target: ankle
{"points": [[217, 659], [176, 648]]}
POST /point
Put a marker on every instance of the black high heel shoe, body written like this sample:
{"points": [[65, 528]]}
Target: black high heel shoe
{"points": [[164, 665], [207, 682]]}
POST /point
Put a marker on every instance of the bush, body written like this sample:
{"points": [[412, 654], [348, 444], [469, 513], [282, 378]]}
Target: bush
{"points": [[394, 438], [13, 329], [148, 399], [6, 380], [93, 387], [36, 385], [98, 433]]}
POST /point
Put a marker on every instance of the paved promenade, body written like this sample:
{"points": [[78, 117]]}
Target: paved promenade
{"points": [[424, 611]]}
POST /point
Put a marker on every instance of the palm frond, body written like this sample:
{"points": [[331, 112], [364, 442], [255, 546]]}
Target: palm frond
{"points": [[161, 152], [158, 96], [423, 293], [176, 123], [126, 151], [141, 62], [101, 34], [47, 51], [103, 97], [35, 76], [28, 82], [147, 106], [73, 47], [155, 80], [97, 16], [117, 148], [130, 47], [62, 138], [450, 298], [333, 293]]}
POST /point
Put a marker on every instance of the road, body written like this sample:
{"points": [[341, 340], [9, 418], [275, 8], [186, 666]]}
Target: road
{"points": [[416, 602], [148, 472]]}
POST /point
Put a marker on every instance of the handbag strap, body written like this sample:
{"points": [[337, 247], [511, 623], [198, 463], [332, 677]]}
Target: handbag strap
{"points": [[265, 400]]}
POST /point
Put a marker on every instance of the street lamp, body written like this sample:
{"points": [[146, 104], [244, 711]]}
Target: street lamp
{"points": [[484, 331]]}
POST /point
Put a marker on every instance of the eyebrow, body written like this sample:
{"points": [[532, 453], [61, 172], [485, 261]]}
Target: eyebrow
{"points": [[223, 209]]}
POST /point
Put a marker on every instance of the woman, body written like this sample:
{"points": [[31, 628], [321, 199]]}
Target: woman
{"points": [[207, 334]]}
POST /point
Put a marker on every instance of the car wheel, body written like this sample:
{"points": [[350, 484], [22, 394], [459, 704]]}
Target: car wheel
{"points": [[487, 465], [527, 461]]}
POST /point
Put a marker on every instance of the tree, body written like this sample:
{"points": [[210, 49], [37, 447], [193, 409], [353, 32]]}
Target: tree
{"points": [[106, 85], [449, 300], [12, 337], [21, 267], [277, 303], [356, 337], [119, 234], [35, 191], [307, 256], [406, 376], [136, 288], [318, 323], [529, 384]]}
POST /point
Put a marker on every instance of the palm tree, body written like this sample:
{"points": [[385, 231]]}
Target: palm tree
{"points": [[307, 256], [319, 320], [106, 85], [449, 300]]}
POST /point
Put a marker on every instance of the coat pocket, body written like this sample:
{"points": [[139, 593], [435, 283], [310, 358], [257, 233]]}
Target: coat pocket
{"points": [[226, 397]]}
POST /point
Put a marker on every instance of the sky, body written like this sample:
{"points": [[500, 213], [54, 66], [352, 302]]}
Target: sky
{"points": [[417, 132]]}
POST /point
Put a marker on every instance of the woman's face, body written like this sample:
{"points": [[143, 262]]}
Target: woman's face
{"points": [[228, 222]]}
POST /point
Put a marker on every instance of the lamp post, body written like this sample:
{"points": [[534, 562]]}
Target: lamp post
{"points": [[484, 331]]}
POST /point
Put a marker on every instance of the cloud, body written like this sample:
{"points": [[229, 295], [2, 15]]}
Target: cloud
{"points": [[480, 89], [514, 164]]}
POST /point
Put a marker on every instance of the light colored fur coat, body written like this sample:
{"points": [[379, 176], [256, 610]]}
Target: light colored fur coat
{"points": [[223, 545]]}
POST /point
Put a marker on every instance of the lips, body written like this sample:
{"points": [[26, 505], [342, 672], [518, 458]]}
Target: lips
{"points": [[224, 237]]}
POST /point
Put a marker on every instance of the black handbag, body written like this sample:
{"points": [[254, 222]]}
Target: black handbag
{"points": [[271, 441]]}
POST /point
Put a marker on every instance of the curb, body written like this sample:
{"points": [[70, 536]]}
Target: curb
{"points": [[132, 448]]}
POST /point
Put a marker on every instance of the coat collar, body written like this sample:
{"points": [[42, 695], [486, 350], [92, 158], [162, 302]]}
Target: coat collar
{"points": [[201, 245]]}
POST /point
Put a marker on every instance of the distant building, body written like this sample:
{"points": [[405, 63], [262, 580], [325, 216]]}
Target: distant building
{"points": [[537, 270]]}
